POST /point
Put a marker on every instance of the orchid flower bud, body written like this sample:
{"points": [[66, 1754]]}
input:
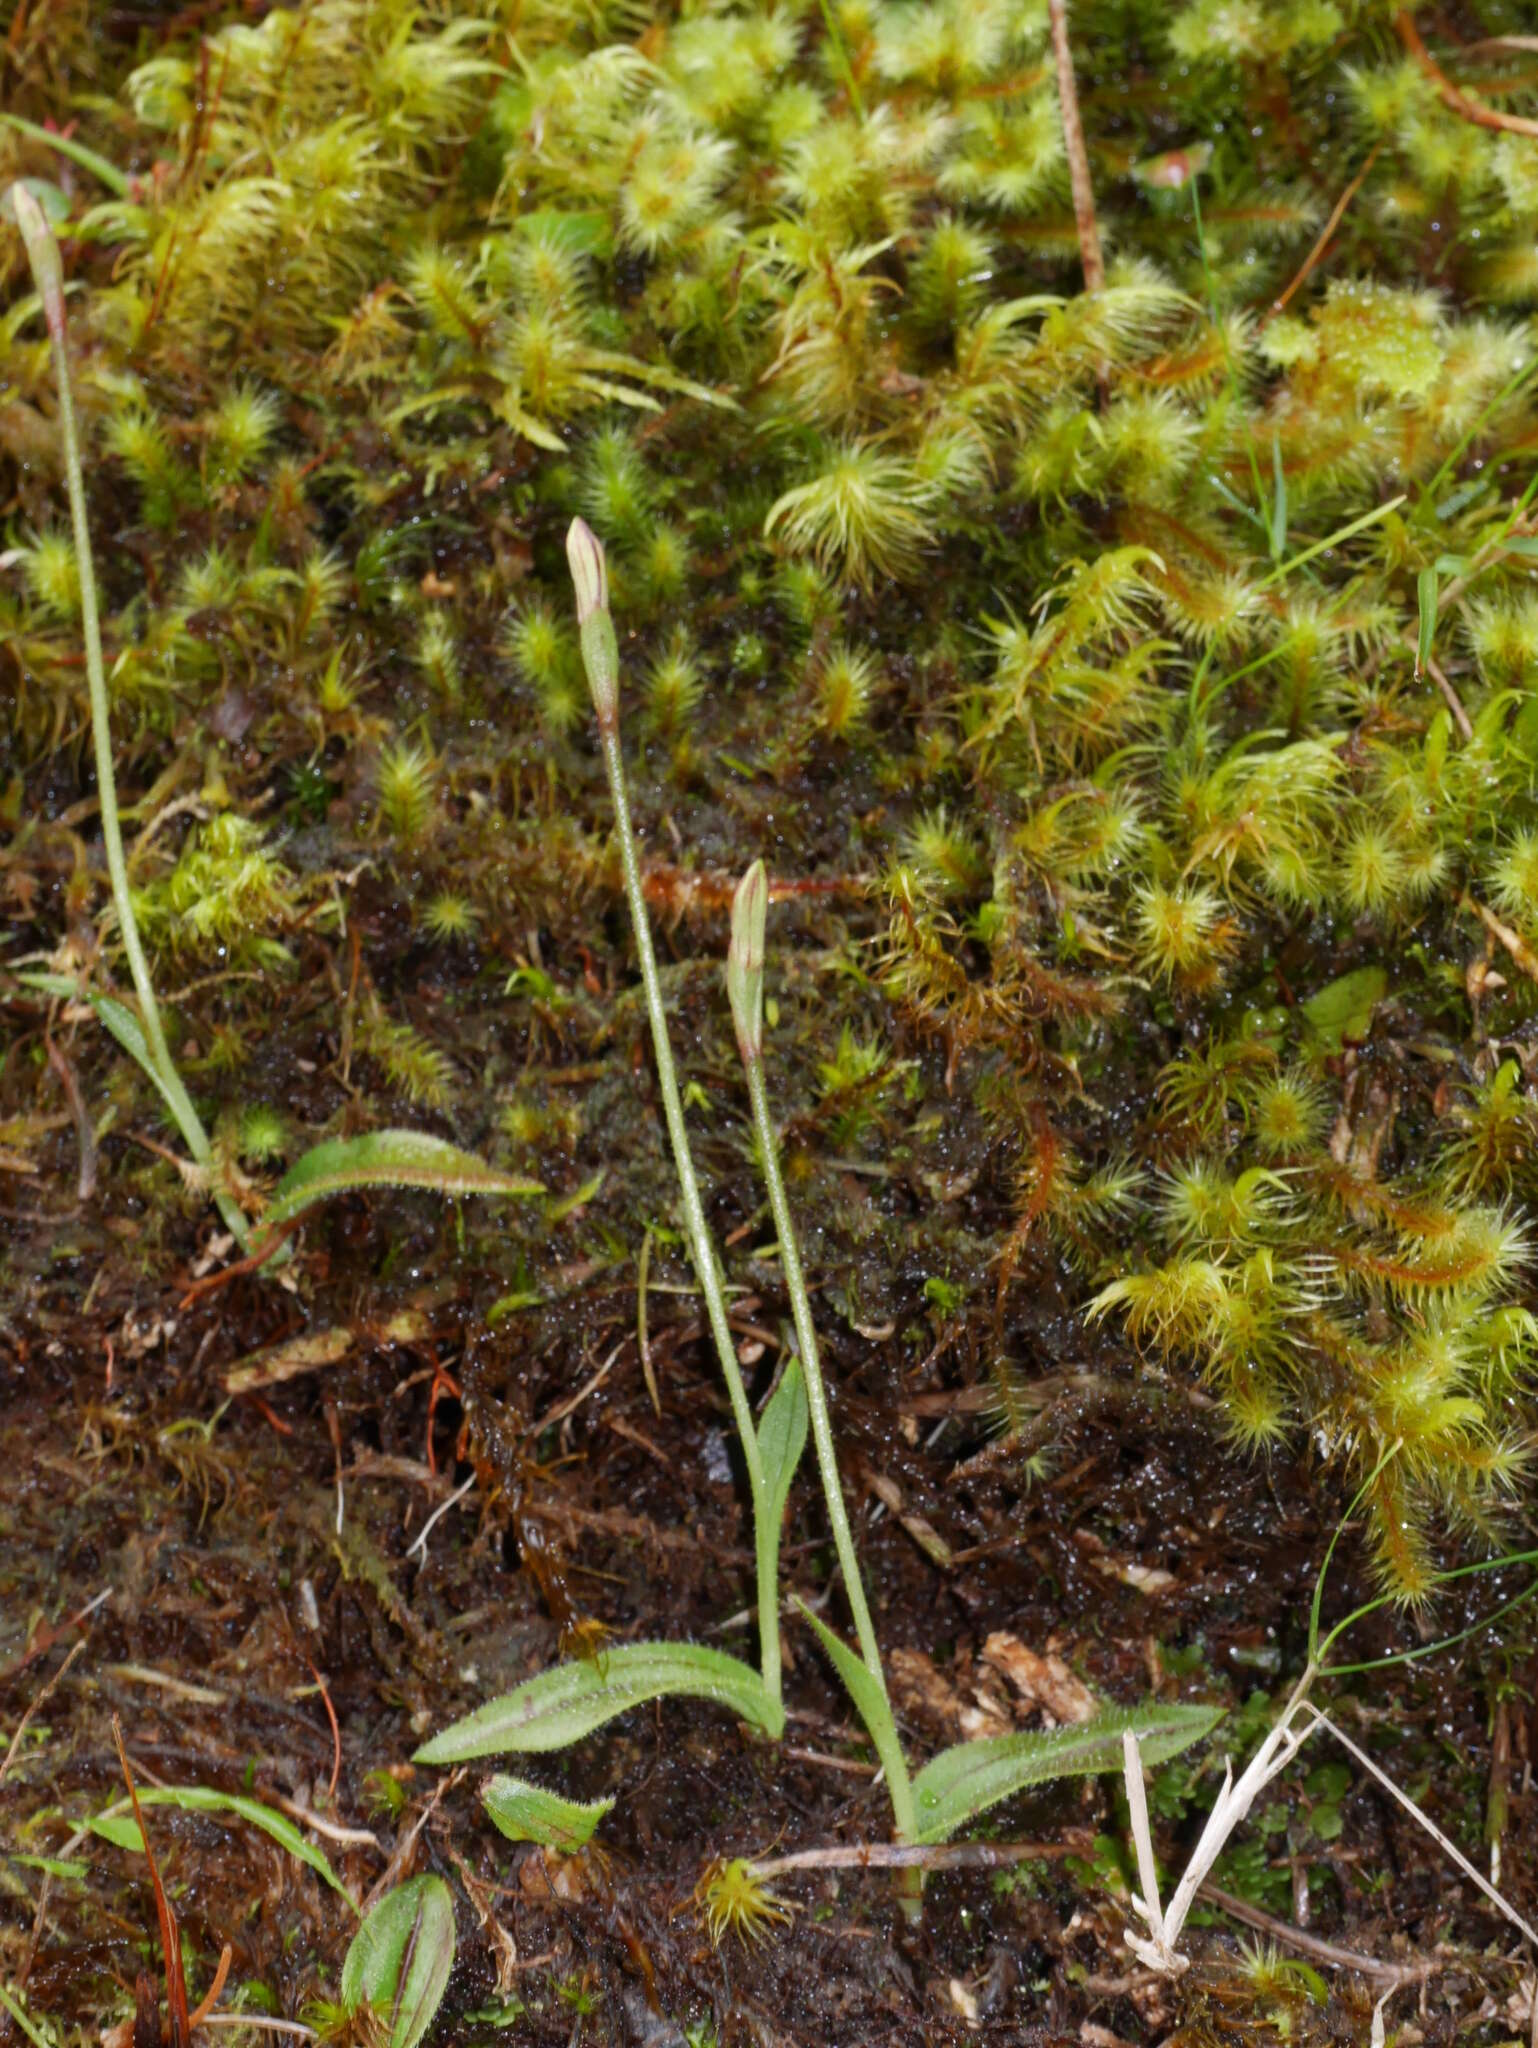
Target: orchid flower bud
{"points": [[43, 255], [745, 961], [600, 649]]}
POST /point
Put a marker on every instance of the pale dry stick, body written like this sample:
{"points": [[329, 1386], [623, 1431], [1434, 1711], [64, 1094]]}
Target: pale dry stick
{"points": [[1424, 1820], [256, 2019], [1327, 1953], [37, 1700], [437, 1516], [1159, 1949], [1078, 156], [1438, 675], [1520, 951], [1449, 94], [574, 1401], [917, 1856]]}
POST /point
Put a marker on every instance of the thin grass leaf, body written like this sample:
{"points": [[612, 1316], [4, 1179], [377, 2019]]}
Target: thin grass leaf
{"points": [[120, 1828]]}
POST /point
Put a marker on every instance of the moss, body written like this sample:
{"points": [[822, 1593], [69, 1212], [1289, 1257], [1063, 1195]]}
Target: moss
{"points": [[1073, 646]]}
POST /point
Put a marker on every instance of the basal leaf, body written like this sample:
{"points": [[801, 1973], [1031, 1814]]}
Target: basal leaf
{"points": [[960, 1783], [1426, 603], [527, 1813], [1343, 1008], [123, 1830], [398, 1159], [115, 1017], [869, 1697], [782, 1437], [400, 1959], [560, 1706]]}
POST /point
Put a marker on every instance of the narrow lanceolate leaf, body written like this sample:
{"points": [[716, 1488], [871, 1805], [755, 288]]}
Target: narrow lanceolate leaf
{"points": [[782, 1438], [527, 1813], [561, 1706], [960, 1783], [869, 1696], [400, 1959], [123, 1830], [114, 1016], [1426, 601], [388, 1159]]}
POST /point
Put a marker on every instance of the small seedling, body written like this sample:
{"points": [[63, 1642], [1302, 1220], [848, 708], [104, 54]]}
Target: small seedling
{"points": [[559, 1707], [379, 1158]]}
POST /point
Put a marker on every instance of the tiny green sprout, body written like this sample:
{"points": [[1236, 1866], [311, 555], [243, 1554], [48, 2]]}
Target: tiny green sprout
{"points": [[736, 1900], [262, 1134], [240, 431], [52, 570], [406, 784], [542, 652], [675, 686], [450, 919], [614, 489], [437, 656], [384, 1793], [845, 682], [1497, 1138], [663, 562], [1273, 1976], [1514, 875], [1176, 927], [1287, 1114], [944, 854]]}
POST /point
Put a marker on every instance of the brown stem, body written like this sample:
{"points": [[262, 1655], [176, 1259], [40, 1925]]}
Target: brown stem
{"points": [[1078, 157], [1326, 233], [1451, 95]]}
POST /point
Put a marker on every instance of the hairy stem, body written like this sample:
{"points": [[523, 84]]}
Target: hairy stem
{"points": [[899, 1784], [701, 1250], [1078, 156], [42, 252]]}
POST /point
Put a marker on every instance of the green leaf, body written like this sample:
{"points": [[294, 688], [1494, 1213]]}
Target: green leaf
{"points": [[116, 1017], [400, 1958], [960, 1783], [56, 1866], [527, 1813], [122, 1830], [583, 233], [782, 1437], [395, 1159], [1343, 1008], [869, 1696], [560, 1706], [1426, 599]]}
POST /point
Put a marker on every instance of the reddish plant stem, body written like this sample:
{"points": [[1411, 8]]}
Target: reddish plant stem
{"points": [[1451, 95], [1078, 157]]}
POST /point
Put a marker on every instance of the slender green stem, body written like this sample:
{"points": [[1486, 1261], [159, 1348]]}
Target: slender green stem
{"points": [[701, 1249], [180, 1102], [899, 1785], [841, 57]]}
